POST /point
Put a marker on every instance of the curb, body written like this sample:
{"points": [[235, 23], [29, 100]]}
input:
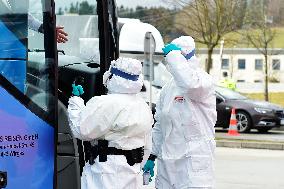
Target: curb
{"points": [[250, 144]]}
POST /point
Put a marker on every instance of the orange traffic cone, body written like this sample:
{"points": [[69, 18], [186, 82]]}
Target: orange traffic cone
{"points": [[233, 130]]}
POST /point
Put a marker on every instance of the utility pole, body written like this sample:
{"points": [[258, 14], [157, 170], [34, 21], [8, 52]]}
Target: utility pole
{"points": [[231, 67], [221, 55]]}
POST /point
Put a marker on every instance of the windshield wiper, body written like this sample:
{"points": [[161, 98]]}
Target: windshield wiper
{"points": [[36, 50], [60, 67], [61, 51], [42, 50]]}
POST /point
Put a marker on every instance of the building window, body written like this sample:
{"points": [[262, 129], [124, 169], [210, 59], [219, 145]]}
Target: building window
{"points": [[241, 64], [241, 81], [258, 64], [276, 64], [225, 64]]}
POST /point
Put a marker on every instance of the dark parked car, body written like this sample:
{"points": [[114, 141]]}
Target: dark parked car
{"points": [[250, 114]]}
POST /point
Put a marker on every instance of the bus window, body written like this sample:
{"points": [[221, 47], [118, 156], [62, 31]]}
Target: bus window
{"points": [[13, 29], [39, 67]]}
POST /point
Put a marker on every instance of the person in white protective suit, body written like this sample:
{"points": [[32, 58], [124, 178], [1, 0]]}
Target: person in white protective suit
{"points": [[183, 136], [118, 125], [36, 25], [33, 23]]}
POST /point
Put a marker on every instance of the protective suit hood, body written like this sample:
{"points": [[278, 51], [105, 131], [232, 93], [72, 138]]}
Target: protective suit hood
{"points": [[187, 45], [124, 76]]}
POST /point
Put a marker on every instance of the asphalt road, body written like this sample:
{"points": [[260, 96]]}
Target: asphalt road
{"points": [[247, 169]]}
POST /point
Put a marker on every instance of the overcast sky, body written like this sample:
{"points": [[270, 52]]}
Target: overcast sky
{"points": [[135, 3], [125, 3]]}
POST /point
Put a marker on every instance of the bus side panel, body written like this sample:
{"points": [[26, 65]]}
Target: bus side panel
{"points": [[26, 146]]}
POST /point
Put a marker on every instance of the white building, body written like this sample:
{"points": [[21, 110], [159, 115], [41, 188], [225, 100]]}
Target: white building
{"points": [[245, 65]]}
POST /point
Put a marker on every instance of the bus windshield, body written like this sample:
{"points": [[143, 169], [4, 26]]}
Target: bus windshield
{"points": [[80, 21]]}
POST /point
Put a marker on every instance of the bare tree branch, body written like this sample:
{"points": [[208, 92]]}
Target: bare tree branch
{"points": [[262, 37], [208, 21]]}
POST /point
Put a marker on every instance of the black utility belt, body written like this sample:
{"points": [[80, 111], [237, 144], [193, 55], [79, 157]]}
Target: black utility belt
{"points": [[102, 150]]}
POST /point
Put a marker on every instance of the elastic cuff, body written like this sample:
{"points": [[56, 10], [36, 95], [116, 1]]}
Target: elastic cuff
{"points": [[152, 157]]}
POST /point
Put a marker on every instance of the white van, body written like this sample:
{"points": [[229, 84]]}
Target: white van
{"points": [[131, 44]]}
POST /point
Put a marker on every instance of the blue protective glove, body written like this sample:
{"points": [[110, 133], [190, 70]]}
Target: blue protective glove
{"points": [[77, 90], [169, 47], [149, 167]]}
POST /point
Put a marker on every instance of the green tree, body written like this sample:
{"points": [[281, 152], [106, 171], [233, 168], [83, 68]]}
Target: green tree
{"points": [[263, 35], [140, 11], [163, 19], [60, 11], [124, 12], [86, 9], [73, 9], [208, 21]]}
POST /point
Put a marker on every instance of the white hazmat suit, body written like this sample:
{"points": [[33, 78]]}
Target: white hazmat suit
{"points": [[122, 117], [183, 136]]}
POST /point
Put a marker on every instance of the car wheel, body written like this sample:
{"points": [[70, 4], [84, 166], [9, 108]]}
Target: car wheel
{"points": [[244, 122], [263, 130]]}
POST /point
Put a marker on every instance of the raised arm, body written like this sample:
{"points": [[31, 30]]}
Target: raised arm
{"points": [[190, 79], [34, 24]]}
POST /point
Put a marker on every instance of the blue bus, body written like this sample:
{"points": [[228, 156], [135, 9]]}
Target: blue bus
{"points": [[28, 112], [37, 149]]}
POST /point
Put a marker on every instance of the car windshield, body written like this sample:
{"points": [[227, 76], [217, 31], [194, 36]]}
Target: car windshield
{"points": [[229, 94]]}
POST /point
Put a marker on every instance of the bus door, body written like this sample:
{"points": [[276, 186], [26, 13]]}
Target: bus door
{"points": [[28, 95]]}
